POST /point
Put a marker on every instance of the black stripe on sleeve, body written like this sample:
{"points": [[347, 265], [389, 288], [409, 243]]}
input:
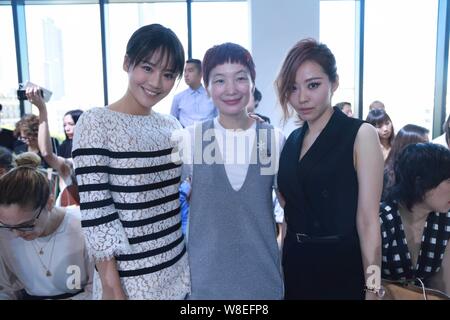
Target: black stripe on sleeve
{"points": [[156, 235], [96, 204], [148, 204], [120, 154], [150, 253], [144, 222], [158, 267], [126, 171], [99, 221], [128, 189]]}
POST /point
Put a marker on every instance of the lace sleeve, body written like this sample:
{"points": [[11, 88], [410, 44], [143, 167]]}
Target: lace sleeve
{"points": [[104, 233]]}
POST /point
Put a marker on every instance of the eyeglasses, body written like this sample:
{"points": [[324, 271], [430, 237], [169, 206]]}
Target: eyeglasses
{"points": [[27, 138], [26, 226]]}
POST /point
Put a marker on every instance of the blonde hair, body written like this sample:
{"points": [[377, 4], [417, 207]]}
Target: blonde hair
{"points": [[30, 159]]}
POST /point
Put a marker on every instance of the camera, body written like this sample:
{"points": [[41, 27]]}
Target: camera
{"points": [[21, 93], [22, 96]]}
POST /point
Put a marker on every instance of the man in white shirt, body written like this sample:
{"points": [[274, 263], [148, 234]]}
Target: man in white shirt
{"points": [[193, 104]]}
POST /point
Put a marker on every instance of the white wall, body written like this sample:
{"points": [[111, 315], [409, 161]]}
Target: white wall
{"points": [[283, 22]]}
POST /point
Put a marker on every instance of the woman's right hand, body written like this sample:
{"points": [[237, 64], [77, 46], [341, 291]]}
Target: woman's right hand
{"points": [[33, 94]]}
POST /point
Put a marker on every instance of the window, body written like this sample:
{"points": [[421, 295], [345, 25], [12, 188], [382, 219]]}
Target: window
{"points": [[64, 51], [337, 31], [8, 68], [218, 22], [124, 19], [399, 61]]}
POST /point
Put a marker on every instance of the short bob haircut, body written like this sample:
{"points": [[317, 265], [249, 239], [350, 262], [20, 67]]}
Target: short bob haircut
{"points": [[420, 168], [148, 39], [377, 117], [227, 52], [304, 50]]}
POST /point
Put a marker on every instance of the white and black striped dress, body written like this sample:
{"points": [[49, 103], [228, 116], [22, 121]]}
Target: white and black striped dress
{"points": [[130, 202]]}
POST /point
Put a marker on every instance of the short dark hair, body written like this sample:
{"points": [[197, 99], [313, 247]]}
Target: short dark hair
{"points": [[227, 52], [6, 158], [341, 105], [420, 168], [146, 40]]}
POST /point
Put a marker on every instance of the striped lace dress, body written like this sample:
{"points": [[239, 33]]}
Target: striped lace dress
{"points": [[129, 196]]}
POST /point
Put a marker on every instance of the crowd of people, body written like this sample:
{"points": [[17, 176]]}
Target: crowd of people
{"points": [[136, 204]]}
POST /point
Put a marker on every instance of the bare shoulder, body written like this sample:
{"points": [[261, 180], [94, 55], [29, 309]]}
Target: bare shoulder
{"points": [[367, 136], [367, 130]]}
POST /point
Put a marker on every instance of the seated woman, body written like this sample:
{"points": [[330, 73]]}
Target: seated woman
{"points": [[415, 219], [42, 251], [407, 135]]}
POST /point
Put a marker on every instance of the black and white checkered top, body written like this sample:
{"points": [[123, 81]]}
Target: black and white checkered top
{"points": [[396, 258]]}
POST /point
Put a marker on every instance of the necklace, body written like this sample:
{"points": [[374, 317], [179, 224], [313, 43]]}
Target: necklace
{"points": [[41, 252]]}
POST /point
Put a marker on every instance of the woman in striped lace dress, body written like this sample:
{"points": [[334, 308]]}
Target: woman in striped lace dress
{"points": [[128, 182]]}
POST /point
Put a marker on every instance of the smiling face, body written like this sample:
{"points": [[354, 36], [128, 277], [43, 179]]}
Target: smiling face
{"points": [[149, 81], [230, 87], [311, 92]]}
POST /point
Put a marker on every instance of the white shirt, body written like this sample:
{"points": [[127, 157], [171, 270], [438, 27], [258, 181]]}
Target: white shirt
{"points": [[235, 146], [64, 255]]}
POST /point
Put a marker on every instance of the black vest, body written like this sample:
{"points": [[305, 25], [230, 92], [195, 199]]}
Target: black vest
{"points": [[321, 190]]}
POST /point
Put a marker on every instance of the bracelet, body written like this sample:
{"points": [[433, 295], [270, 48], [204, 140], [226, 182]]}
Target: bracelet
{"points": [[379, 291]]}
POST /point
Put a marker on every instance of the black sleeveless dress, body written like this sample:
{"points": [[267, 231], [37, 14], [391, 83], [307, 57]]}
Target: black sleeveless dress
{"points": [[321, 252]]}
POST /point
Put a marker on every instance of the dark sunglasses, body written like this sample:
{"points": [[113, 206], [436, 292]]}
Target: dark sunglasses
{"points": [[26, 226]]}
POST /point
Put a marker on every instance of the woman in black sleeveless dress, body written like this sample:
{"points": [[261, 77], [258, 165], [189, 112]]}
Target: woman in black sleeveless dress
{"points": [[330, 175]]}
